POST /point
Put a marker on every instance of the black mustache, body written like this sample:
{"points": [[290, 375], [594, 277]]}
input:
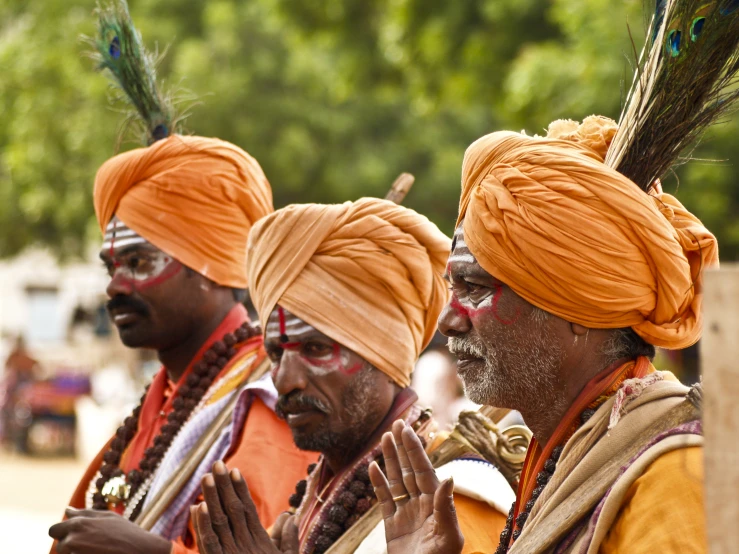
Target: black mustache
{"points": [[130, 303], [296, 401]]}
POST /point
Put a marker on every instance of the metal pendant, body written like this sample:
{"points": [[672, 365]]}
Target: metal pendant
{"points": [[116, 490]]}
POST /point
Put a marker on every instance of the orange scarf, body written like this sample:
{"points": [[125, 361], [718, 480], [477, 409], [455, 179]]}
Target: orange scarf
{"points": [[597, 391]]}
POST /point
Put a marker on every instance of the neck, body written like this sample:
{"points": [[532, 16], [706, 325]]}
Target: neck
{"points": [[177, 358], [544, 421], [342, 457]]}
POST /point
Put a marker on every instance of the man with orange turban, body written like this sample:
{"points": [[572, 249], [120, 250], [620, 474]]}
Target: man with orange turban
{"points": [[176, 216], [350, 295], [565, 275]]}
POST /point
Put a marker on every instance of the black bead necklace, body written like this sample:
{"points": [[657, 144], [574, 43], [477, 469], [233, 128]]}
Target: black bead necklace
{"points": [[515, 528]]}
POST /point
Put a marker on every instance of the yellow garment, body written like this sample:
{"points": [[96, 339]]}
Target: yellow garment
{"points": [[663, 511], [578, 239], [194, 198], [368, 274], [480, 523]]}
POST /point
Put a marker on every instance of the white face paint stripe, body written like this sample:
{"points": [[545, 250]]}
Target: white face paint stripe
{"points": [[123, 243], [290, 329], [457, 257], [121, 234]]}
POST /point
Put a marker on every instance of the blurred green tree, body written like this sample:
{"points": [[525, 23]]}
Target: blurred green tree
{"points": [[333, 97]]}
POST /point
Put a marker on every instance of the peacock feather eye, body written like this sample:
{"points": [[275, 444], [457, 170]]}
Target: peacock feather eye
{"points": [[115, 48], [160, 132], [697, 28], [673, 42]]}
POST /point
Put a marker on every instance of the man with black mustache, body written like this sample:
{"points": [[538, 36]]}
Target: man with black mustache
{"points": [[350, 295], [175, 217]]}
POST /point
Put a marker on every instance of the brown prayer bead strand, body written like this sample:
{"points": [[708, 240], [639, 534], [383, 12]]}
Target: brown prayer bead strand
{"points": [[188, 397], [541, 480]]}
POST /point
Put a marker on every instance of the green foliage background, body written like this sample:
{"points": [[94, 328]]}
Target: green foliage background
{"points": [[333, 97]]}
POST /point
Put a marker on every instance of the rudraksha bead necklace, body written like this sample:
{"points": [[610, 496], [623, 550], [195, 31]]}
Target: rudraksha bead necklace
{"points": [[351, 504], [516, 527], [187, 397]]}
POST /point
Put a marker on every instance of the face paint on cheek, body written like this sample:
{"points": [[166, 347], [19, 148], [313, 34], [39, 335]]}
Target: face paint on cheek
{"points": [[458, 308], [162, 269], [490, 306]]}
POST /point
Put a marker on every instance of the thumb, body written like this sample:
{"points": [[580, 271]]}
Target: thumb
{"points": [[445, 514]]}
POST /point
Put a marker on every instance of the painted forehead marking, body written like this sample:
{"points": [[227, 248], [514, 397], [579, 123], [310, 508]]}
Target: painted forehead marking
{"points": [[287, 324], [460, 253], [118, 235]]}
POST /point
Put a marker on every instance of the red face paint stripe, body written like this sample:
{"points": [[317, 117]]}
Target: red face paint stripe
{"points": [[135, 284]]}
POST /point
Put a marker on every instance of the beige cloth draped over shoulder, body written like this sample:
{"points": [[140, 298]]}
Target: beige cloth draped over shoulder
{"points": [[576, 238], [194, 198], [368, 274]]}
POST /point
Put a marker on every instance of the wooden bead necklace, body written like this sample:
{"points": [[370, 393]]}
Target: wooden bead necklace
{"points": [[113, 486]]}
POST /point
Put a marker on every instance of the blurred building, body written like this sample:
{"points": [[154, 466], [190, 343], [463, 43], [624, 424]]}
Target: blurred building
{"points": [[87, 380]]}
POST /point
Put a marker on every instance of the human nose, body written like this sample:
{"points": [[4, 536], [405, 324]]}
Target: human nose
{"points": [[290, 374], [454, 320], [119, 285]]}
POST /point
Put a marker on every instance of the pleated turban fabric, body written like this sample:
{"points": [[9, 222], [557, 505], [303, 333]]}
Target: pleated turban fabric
{"points": [[368, 274], [192, 197], [576, 238]]}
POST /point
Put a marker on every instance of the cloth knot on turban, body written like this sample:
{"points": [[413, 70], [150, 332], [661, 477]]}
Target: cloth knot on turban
{"points": [[368, 274], [576, 238], [194, 198]]}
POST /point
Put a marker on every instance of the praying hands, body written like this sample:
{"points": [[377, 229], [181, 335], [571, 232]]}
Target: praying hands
{"points": [[418, 511], [227, 522]]}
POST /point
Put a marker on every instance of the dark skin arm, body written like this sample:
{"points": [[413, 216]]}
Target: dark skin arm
{"points": [[96, 532], [423, 519], [227, 522]]}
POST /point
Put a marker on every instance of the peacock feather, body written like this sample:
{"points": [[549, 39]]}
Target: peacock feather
{"points": [[119, 48], [686, 81]]}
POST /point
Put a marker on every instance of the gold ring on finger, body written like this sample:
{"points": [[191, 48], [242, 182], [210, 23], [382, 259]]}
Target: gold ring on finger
{"points": [[405, 496]]}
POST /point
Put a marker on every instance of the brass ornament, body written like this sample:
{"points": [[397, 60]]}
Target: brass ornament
{"points": [[116, 490]]}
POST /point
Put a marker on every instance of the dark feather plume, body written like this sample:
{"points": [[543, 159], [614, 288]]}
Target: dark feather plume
{"points": [[686, 81], [120, 49]]}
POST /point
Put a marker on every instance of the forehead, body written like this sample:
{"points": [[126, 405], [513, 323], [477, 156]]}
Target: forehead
{"points": [[461, 259], [282, 322], [118, 238]]}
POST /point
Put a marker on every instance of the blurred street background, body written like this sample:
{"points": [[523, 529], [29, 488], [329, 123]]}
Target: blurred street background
{"points": [[334, 98]]}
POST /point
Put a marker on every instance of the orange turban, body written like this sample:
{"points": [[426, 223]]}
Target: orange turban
{"points": [[578, 239], [368, 274], [194, 198]]}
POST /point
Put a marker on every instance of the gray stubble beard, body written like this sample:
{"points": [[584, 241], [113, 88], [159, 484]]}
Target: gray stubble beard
{"points": [[522, 373]]}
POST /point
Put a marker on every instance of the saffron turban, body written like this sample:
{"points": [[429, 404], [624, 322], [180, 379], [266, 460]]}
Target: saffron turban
{"points": [[194, 198], [368, 274], [576, 238]]}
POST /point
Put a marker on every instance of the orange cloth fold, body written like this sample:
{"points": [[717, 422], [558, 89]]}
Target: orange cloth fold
{"points": [[368, 274], [194, 198], [576, 238]]}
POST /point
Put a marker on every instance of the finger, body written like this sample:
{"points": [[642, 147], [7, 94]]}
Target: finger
{"points": [[65, 546], [194, 520], [409, 477], [232, 506], [445, 515], [72, 513], [277, 529], [392, 466], [60, 530], [290, 543], [382, 491], [216, 517], [208, 541], [250, 510], [423, 470]]}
